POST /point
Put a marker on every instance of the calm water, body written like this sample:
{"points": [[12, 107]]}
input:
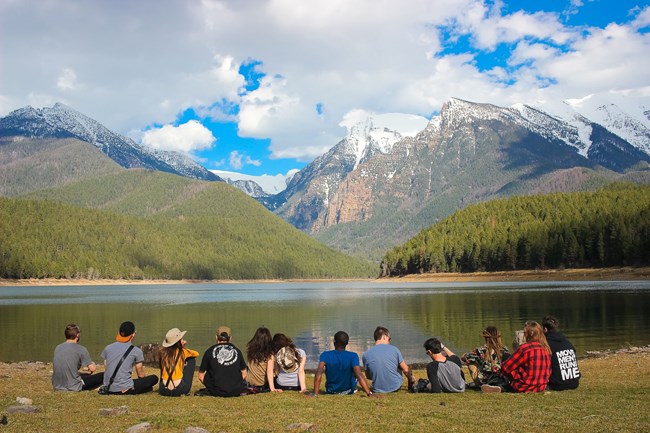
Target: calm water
{"points": [[595, 315]]}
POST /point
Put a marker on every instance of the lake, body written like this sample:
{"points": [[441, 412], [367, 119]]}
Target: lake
{"points": [[594, 315]]}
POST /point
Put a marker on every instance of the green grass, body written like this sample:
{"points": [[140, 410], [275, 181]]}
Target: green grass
{"points": [[613, 396]]}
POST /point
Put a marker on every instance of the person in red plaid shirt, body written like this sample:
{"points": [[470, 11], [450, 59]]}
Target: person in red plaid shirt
{"points": [[529, 368]]}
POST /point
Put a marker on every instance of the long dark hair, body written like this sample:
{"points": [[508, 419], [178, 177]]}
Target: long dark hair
{"points": [[260, 348], [168, 356], [280, 341]]}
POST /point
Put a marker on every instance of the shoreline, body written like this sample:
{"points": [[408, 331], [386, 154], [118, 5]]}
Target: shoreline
{"points": [[597, 274], [590, 354]]}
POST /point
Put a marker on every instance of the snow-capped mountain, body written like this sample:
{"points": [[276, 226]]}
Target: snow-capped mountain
{"points": [[627, 117], [375, 189], [257, 186], [61, 121], [372, 135], [378, 133]]}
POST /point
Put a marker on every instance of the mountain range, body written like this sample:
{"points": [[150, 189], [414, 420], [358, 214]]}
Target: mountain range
{"points": [[61, 121], [469, 153], [390, 177]]}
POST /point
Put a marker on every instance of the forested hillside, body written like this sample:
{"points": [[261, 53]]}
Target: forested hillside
{"points": [[28, 165], [610, 227], [144, 224]]}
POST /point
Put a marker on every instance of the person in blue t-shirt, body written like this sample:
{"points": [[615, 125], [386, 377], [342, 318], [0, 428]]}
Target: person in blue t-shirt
{"points": [[341, 369], [385, 364]]}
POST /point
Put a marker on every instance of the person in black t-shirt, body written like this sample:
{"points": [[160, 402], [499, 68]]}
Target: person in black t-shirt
{"points": [[564, 363], [223, 369]]}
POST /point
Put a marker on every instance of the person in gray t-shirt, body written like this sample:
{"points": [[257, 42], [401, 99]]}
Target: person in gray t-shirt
{"points": [[443, 371], [113, 353], [69, 357]]}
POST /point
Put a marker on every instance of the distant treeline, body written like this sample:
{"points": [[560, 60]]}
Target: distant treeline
{"points": [[610, 227], [42, 239]]}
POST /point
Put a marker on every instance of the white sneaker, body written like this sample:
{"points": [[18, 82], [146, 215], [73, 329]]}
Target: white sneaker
{"points": [[490, 388]]}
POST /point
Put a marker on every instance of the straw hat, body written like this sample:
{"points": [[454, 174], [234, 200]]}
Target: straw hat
{"points": [[173, 336]]}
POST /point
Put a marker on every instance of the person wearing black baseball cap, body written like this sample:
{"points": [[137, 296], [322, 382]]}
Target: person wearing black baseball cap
{"points": [[120, 357]]}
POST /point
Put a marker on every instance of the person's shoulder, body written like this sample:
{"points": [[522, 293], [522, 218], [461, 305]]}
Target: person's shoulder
{"points": [[111, 346], [351, 354], [328, 354], [433, 365], [61, 346], [189, 353]]}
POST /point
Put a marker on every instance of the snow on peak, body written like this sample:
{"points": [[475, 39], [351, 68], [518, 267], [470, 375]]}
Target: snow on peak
{"points": [[270, 184], [561, 122], [622, 115], [369, 132], [457, 110]]}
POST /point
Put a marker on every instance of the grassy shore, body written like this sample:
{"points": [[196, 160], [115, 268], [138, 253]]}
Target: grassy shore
{"points": [[614, 395], [598, 274]]}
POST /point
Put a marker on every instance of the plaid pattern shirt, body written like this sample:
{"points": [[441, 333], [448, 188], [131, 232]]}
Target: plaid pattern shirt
{"points": [[529, 368]]}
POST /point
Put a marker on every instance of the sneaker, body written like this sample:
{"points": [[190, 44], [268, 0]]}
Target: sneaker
{"points": [[490, 388]]}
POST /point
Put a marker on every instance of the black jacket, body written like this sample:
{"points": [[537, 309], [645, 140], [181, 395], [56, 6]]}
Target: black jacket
{"points": [[564, 363]]}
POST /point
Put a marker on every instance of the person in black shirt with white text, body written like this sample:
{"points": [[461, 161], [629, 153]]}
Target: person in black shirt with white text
{"points": [[564, 363]]}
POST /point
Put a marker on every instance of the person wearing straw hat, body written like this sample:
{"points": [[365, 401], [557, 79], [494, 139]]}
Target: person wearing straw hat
{"points": [[120, 358], [177, 365]]}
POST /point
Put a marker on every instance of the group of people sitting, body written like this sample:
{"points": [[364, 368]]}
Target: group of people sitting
{"points": [[545, 359]]}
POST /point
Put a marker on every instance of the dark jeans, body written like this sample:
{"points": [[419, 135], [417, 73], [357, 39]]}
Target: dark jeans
{"points": [[91, 381], [141, 385], [185, 386], [286, 388]]}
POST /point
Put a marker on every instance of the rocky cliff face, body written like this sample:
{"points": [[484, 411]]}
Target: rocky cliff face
{"points": [[468, 153]]}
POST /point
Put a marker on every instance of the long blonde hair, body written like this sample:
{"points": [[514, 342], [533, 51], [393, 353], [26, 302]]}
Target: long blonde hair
{"points": [[533, 331], [493, 343]]}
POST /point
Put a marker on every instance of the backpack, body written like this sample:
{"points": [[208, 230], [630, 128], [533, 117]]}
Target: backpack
{"points": [[287, 360]]}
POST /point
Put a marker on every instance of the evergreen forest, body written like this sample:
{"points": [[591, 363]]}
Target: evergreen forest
{"points": [[609, 227], [140, 224]]}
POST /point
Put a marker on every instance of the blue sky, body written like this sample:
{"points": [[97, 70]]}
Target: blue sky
{"points": [[263, 87]]}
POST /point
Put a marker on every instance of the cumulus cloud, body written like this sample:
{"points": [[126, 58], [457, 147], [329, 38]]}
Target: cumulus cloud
{"points": [[184, 138], [239, 160], [322, 60], [642, 19], [67, 80]]}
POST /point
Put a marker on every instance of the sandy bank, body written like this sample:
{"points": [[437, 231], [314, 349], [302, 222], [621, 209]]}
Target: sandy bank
{"points": [[602, 274]]}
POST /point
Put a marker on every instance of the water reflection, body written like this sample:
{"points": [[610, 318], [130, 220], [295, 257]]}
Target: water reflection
{"points": [[594, 315]]}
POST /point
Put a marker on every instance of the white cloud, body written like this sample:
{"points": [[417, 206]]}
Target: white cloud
{"points": [[238, 160], [643, 18], [607, 59], [380, 56], [184, 138], [67, 80]]}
